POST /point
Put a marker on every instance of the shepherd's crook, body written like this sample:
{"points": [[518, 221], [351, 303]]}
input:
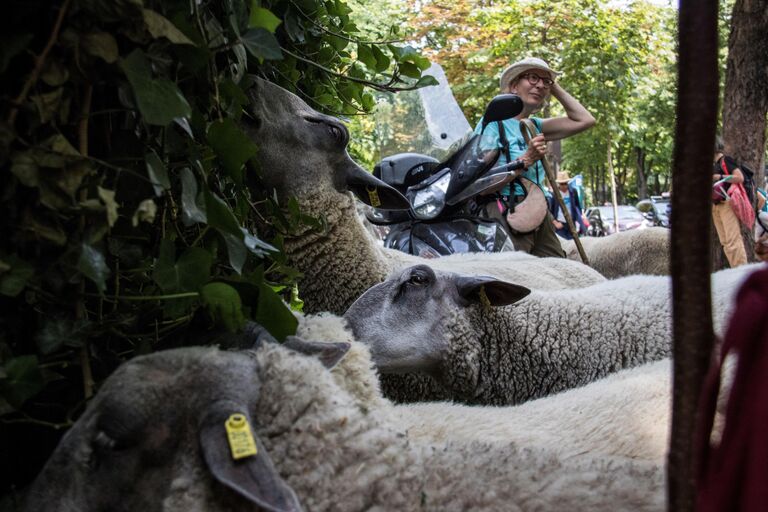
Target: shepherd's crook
{"points": [[529, 131]]}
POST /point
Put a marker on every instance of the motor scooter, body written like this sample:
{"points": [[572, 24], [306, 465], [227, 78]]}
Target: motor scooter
{"points": [[445, 216]]}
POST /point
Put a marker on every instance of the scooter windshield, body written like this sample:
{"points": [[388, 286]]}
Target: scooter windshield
{"points": [[426, 121]]}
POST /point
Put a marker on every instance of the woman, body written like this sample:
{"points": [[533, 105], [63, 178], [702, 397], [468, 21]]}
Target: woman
{"points": [[534, 81], [571, 199], [726, 223]]}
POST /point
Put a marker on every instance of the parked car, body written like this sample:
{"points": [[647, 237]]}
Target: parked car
{"points": [[601, 219], [655, 210]]}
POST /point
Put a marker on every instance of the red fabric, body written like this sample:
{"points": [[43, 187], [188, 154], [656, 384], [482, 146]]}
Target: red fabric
{"points": [[740, 203], [742, 207], [733, 475]]}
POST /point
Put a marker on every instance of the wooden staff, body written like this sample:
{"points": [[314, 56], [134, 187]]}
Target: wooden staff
{"points": [[529, 131]]}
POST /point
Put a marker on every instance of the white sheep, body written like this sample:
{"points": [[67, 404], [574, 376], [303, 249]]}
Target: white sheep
{"points": [[624, 414], [442, 324], [302, 154], [637, 251], [155, 437]]}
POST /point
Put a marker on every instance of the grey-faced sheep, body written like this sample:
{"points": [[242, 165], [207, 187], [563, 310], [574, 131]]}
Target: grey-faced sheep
{"points": [[443, 324], [624, 414], [155, 439], [637, 251], [302, 154]]}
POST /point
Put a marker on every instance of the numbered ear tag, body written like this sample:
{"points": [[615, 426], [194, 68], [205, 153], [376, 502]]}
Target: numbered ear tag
{"points": [[373, 197], [484, 300], [240, 438]]}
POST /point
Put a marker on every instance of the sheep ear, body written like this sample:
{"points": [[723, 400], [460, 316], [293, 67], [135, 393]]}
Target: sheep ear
{"points": [[254, 477], [374, 192], [329, 353], [478, 290], [255, 335]]}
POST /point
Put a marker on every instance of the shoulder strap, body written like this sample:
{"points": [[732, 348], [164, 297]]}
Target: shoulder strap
{"points": [[503, 139]]}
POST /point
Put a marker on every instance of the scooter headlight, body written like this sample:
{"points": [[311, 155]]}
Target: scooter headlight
{"points": [[428, 202]]}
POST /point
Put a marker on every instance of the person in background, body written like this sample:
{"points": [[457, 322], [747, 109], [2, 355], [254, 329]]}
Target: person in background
{"points": [[571, 199], [726, 223], [534, 81]]}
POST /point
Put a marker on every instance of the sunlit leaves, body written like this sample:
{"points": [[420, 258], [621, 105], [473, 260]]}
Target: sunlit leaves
{"points": [[263, 18], [224, 305], [159, 26], [274, 315]]}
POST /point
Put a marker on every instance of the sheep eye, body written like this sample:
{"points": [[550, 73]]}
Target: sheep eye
{"points": [[336, 133], [251, 120], [418, 279], [103, 442]]}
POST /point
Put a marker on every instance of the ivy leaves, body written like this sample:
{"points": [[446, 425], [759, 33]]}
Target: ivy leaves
{"points": [[126, 202]]}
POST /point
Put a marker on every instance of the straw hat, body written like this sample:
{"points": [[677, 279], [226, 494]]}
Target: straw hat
{"points": [[563, 177], [526, 64]]}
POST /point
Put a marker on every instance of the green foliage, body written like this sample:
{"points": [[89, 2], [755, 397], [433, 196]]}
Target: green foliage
{"points": [[131, 213], [617, 59]]}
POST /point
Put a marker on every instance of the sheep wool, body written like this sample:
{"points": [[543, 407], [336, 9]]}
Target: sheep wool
{"points": [[318, 449], [362, 460], [625, 414], [544, 343], [637, 251]]}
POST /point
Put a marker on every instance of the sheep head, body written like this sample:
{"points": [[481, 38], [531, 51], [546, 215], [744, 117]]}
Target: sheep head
{"points": [[154, 438], [415, 322], [302, 151]]}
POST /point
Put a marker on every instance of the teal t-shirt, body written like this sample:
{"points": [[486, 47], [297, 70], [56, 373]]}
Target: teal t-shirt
{"points": [[517, 146]]}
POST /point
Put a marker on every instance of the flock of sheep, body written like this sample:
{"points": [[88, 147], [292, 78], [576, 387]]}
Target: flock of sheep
{"points": [[555, 380]]}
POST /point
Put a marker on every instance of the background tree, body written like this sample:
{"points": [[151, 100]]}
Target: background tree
{"points": [[619, 61], [745, 99]]}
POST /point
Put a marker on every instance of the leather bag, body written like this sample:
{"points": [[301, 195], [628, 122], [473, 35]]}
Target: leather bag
{"points": [[530, 212]]}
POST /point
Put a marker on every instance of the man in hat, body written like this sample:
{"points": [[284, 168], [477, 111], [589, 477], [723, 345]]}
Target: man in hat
{"points": [[571, 199], [534, 81]]}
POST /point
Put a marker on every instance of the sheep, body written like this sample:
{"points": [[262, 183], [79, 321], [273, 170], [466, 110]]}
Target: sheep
{"points": [[154, 438], [637, 251], [302, 154], [441, 324], [624, 414]]}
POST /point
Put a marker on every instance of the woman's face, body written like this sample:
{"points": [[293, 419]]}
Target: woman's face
{"points": [[533, 95]]}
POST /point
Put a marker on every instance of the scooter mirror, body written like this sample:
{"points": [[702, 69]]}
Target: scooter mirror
{"points": [[479, 186], [503, 106]]}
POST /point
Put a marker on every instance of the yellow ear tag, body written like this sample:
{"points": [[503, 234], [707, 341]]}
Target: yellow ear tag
{"points": [[373, 196], [484, 300], [240, 438]]}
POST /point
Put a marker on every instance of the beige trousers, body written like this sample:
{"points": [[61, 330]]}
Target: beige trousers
{"points": [[729, 232]]}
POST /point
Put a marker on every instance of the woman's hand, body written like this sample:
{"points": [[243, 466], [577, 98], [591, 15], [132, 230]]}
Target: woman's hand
{"points": [[537, 148]]}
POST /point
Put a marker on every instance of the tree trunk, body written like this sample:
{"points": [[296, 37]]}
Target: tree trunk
{"points": [[642, 181], [745, 102], [691, 294], [613, 188]]}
